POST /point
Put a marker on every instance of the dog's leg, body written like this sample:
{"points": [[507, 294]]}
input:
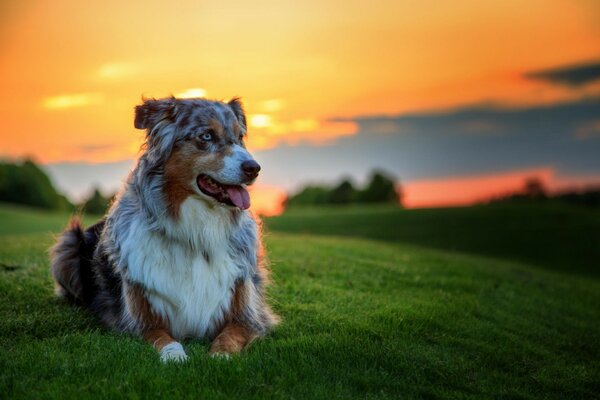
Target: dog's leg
{"points": [[168, 348], [232, 339], [249, 318], [153, 326]]}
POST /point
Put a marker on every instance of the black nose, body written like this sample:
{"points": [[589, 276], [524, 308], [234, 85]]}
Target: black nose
{"points": [[250, 169]]}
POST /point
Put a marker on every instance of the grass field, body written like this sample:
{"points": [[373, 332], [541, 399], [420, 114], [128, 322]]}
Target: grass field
{"points": [[363, 318], [552, 236]]}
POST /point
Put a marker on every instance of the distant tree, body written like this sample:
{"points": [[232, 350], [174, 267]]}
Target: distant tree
{"points": [[344, 193], [381, 189], [27, 184], [310, 195], [534, 189], [589, 196], [96, 203]]}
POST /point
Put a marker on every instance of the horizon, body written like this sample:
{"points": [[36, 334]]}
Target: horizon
{"points": [[459, 101]]}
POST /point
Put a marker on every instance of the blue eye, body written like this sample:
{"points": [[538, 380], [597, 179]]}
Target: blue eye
{"points": [[207, 136]]}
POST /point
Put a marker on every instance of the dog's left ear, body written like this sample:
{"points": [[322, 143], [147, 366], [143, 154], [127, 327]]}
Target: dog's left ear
{"points": [[153, 111], [238, 110]]}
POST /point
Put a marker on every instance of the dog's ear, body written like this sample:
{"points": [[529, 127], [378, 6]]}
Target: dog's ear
{"points": [[152, 111], [238, 110]]}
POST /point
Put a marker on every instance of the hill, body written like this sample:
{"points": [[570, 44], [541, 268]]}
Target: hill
{"points": [[362, 319], [549, 235]]}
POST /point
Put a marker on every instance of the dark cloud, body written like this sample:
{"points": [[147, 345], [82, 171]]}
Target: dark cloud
{"points": [[573, 75], [481, 139]]}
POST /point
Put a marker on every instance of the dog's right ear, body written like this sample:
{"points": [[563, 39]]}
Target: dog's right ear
{"points": [[153, 111]]}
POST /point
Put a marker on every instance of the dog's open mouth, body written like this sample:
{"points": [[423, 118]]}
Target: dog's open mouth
{"points": [[233, 195]]}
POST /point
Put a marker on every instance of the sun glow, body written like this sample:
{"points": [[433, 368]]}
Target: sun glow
{"points": [[267, 200]]}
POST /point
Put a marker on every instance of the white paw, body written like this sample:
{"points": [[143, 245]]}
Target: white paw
{"points": [[221, 356], [173, 352]]}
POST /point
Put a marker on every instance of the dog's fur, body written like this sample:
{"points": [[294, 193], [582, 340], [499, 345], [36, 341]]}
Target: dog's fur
{"points": [[170, 260]]}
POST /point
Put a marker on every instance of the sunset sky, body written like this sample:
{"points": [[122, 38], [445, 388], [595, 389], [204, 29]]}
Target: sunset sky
{"points": [[460, 100]]}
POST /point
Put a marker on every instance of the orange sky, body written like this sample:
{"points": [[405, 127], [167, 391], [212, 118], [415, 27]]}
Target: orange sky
{"points": [[71, 71]]}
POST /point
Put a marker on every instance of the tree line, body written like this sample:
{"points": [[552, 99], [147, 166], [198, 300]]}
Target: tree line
{"points": [[381, 188], [27, 184], [535, 191]]}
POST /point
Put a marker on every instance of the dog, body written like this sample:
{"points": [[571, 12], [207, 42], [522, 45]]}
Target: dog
{"points": [[178, 254]]}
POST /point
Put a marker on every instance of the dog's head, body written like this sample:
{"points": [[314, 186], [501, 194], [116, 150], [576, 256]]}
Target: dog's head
{"points": [[197, 145]]}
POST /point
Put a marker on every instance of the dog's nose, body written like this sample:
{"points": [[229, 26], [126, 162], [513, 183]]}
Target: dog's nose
{"points": [[250, 169]]}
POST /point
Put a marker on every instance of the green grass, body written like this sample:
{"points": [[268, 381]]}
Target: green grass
{"points": [[16, 219], [362, 319], [552, 236]]}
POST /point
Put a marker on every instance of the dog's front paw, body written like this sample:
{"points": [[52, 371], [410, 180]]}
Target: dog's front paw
{"points": [[173, 352]]}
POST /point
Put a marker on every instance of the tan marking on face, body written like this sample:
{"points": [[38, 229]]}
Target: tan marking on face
{"points": [[216, 126], [179, 172]]}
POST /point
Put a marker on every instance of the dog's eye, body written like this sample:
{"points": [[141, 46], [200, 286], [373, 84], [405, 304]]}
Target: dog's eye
{"points": [[207, 136], [241, 138]]}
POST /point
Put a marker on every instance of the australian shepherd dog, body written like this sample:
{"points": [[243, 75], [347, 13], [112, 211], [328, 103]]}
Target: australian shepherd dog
{"points": [[178, 254]]}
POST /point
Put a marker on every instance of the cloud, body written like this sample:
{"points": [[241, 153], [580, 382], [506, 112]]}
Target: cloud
{"points": [[260, 120], [572, 75], [480, 139], [117, 70], [269, 132], [271, 105], [73, 100], [588, 130]]}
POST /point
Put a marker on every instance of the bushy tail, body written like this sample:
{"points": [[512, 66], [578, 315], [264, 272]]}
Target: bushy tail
{"points": [[70, 264]]}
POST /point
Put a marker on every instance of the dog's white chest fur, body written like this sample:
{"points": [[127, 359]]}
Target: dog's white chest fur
{"points": [[193, 290]]}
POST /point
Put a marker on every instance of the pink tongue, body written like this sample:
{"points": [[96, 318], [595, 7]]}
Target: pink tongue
{"points": [[239, 196]]}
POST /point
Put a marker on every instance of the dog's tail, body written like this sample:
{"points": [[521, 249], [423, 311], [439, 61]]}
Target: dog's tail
{"points": [[71, 263]]}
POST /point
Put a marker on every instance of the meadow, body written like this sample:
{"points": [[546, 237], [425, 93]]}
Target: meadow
{"points": [[496, 302]]}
